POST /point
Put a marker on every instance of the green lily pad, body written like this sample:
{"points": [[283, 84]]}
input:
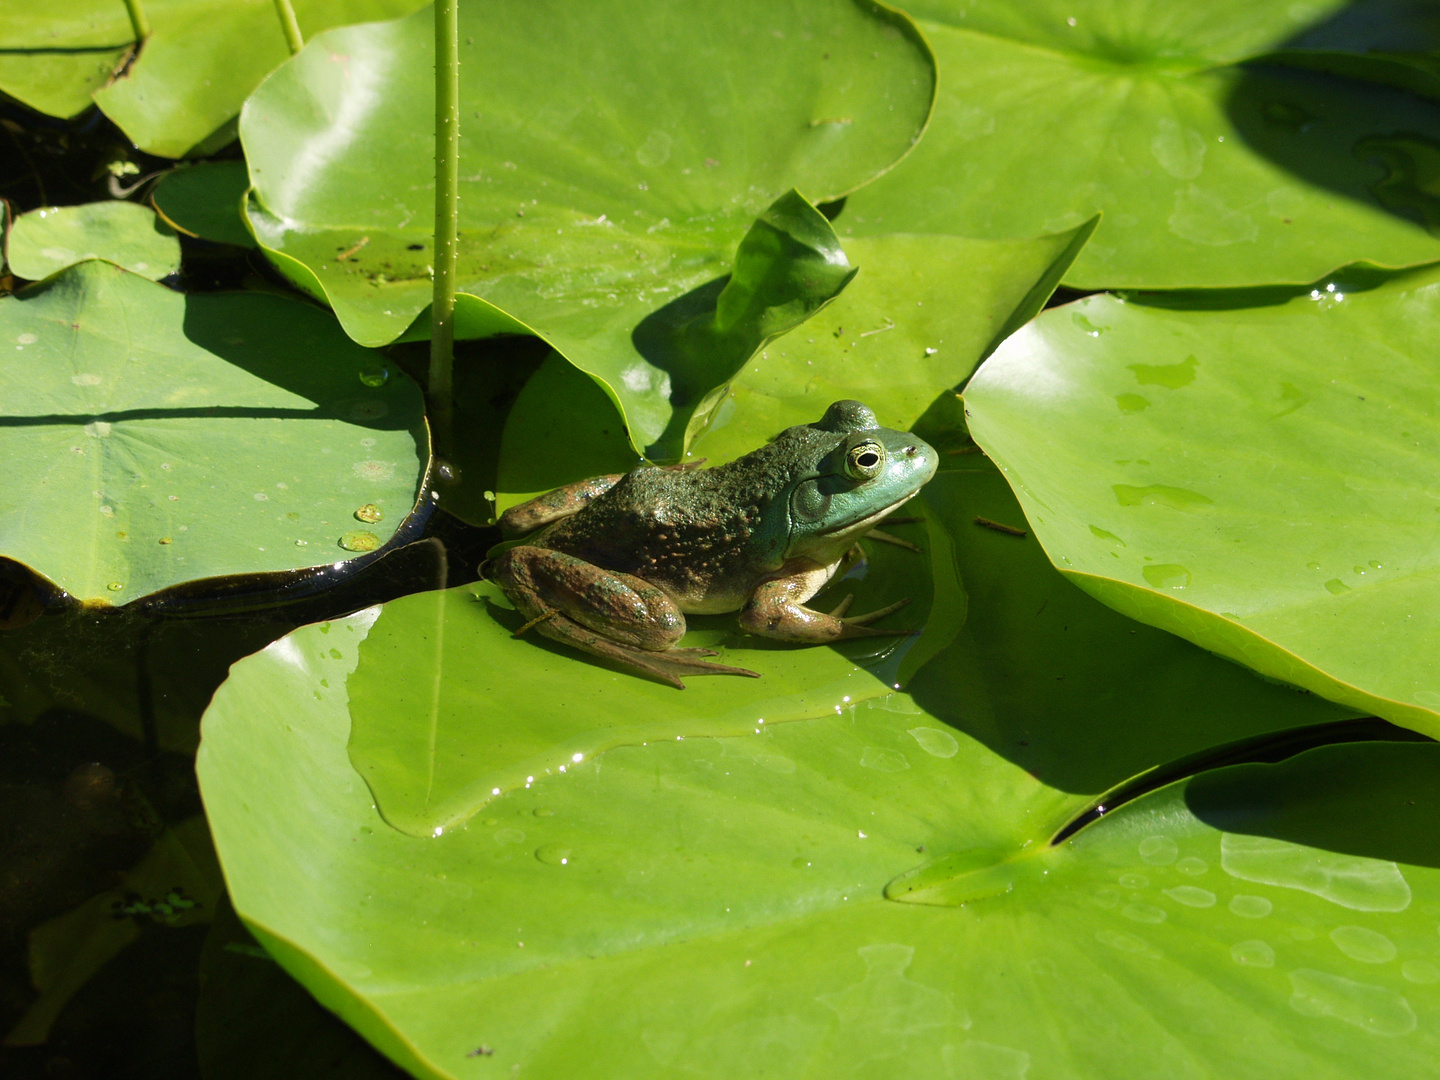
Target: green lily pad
{"points": [[425, 711], [1255, 479], [171, 438], [54, 56], [735, 888], [44, 242], [206, 201], [188, 81], [916, 322], [1209, 172], [598, 213]]}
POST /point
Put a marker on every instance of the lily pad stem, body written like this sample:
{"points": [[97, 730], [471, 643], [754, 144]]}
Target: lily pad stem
{"points": [[290, 25], [447, 212], [138, 22]]}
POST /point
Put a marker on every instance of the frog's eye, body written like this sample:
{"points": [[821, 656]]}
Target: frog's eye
{"points": [[865, 461]]}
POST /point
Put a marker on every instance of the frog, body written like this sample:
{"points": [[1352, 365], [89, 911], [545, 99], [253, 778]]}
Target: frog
{"points": [[611, 565]]}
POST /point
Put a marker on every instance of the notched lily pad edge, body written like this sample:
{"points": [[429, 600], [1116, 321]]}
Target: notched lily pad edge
{"points": [[1204, 629]]}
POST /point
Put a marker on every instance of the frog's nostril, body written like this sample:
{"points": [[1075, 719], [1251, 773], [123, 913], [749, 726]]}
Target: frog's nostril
{"points": [[910, 451]]}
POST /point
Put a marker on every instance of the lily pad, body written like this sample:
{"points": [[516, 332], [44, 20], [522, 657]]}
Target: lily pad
{"points": [[188, 80], [915, 323], [1253, 478], [217, 434], [438, 735], [1247, 175], [44, 242], [735, 888], [206, 201], [54, 56], [597, 213]]}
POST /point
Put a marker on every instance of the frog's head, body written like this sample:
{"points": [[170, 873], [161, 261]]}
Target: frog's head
{"points": [[853, 473]]}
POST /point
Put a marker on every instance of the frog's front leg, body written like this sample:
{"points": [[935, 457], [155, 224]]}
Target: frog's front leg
{"points": [[608, 614], [776, 609], [528, 516]]}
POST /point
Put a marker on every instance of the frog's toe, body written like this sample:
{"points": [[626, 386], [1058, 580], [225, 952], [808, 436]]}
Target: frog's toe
{"points": [[872, 616]]}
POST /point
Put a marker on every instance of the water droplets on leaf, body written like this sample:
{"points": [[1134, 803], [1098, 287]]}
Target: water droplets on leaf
{"points": [[553, 854], [369, 513], [1191, 896], [1352, 881], [359, 540], [1371, 1008], [1363, 944], [1251, 907], [374, 374]]}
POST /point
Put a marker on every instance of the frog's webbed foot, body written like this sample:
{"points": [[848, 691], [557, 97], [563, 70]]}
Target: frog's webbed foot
{"points": [[663, 665], [775, 611]]}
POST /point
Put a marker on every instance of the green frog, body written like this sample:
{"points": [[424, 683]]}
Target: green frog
{"points": [[620, 560]]}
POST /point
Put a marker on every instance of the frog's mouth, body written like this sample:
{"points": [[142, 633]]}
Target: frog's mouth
{"points": [[865, 524]]}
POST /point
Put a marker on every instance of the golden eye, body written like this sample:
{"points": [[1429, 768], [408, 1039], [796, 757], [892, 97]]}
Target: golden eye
{"points": [[865, 461]]}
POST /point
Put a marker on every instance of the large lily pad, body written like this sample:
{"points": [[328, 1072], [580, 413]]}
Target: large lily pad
{"points": [[1209, 173], [188, 80], [600, 212], [153, 438], [1256, 479], [734, 888], [44, 242], [918, 320]]}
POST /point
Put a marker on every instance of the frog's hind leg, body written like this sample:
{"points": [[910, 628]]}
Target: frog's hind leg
{"points": [[666, 667], [606, 613], [528, 516]]}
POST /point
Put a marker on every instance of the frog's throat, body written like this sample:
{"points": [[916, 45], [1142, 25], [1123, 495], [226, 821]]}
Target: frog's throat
{"points": [[865, 524]]}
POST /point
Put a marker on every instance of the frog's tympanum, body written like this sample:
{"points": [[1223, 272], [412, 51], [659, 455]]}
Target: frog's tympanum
{"points": [[620, 560]]}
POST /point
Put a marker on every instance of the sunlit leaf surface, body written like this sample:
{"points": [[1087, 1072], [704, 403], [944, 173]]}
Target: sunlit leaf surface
{"points": [[44, 242], [1209, 172], [599, 211], [153, 438], [1255, 478]]}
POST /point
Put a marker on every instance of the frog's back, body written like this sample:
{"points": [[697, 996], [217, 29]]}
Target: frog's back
{"points": [[698, 534]]}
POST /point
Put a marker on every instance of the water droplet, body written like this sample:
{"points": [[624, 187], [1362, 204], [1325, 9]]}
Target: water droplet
{"points": [[374, 374], [166, 540], [1359, 569], [1253, 954], [302, 543], [1251, 907], [1352, 881], [1172, 376], [1363, 944], [359, 541], [1175, 498], [1312, 566], [1167, 575], [27, 339], [1191, 896], [1336, 586], [1159, 850], [1192, 866], [1129, 403], [543, 811], [260, 496], [1370, 1008], [115, 586], [1374, 565], [1146, 913], [1101, 534], [1420, 971], [1284, 114], [1128, 943], [933, 741], [553, 855], [369, 513], [1134, 881], [1086, 325], [1410, 163], [799, 863], [881, 760]]}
